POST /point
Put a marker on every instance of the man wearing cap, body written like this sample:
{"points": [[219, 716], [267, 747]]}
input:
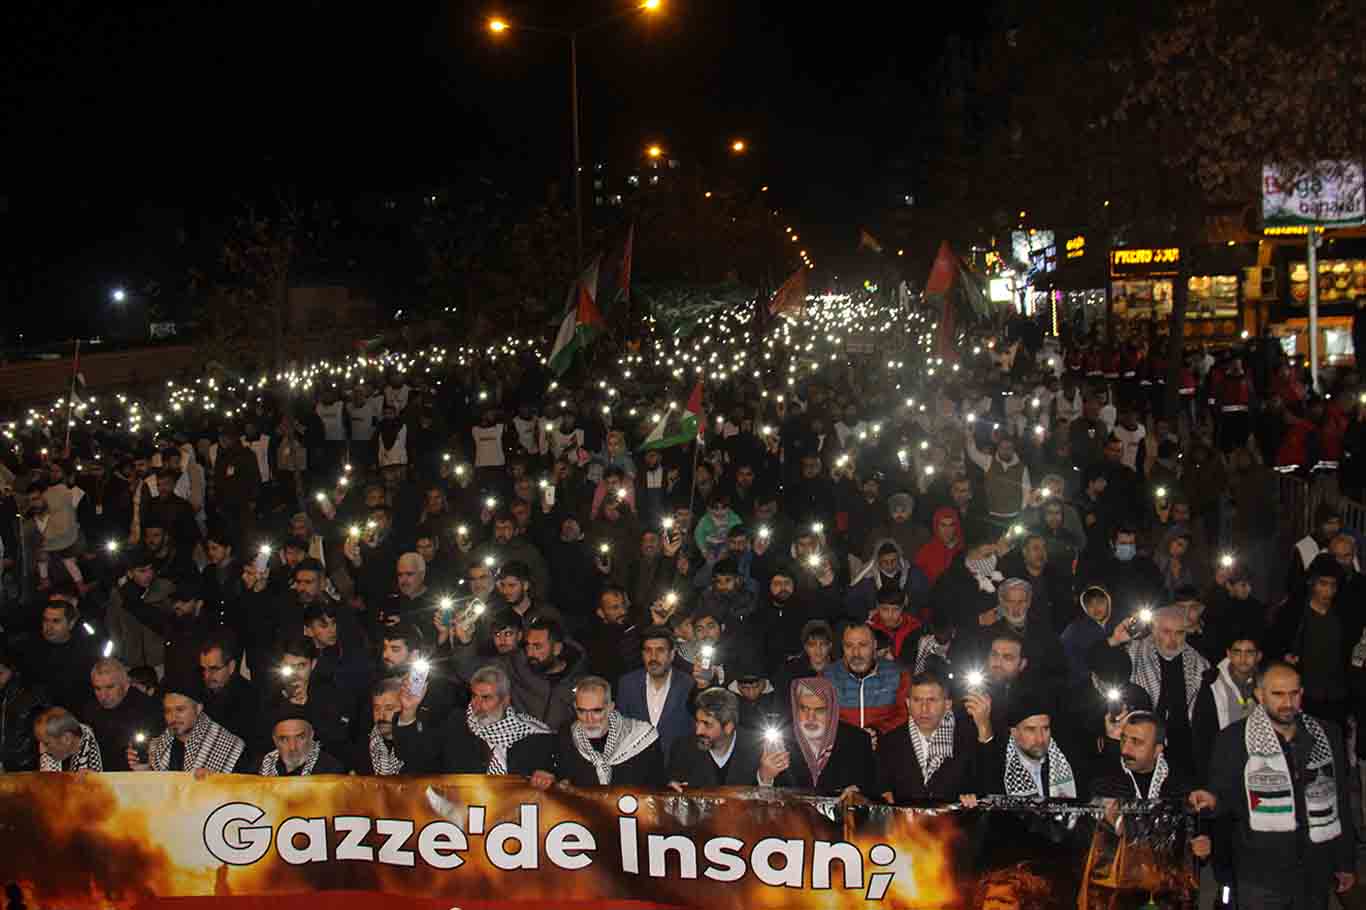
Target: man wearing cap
{"points": [[296, 683], [656, 692], [297, 752], [722, 752], [830, 757], [118, 711], [1029, 761], [192, 741], [64, 743]]}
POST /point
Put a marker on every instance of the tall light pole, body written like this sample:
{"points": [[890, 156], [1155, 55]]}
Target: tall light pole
{"points": [[499, 25]]}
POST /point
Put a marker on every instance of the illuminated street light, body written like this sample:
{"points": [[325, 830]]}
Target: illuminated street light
{"points": [[795, 238], [118, 295], [707, 194], [498, 26], [651, 5], [738, 146], [654, 151]]}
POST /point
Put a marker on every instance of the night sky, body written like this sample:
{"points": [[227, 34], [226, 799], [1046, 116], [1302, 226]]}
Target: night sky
{"points": [[124, 126]]}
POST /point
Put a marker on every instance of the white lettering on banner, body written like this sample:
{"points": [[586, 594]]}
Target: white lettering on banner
{"points": [[234, 834]]}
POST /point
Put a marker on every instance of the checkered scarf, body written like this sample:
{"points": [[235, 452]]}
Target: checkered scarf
{"points": [[501, 735], [271, 765], [1058, 776], [85, 758], [382, 755], [817, 752], [932, 751], [626, 738], [210, 747], [1148, 671], [929, 647]]}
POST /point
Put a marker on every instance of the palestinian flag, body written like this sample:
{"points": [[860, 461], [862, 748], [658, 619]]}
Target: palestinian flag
{"points": [[791, 297], [582, 321], [678, 429]]}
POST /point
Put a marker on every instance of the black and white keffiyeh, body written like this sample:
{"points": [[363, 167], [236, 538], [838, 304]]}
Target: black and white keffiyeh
{"points": [[984, 571], [626, 738], [210, 747], [1148, 671], [85, 758], [383, 757], [1270, 787], [929, 646], [1160, 772], [271, 766], [934, 750], [1019, 782], [501, 735]]}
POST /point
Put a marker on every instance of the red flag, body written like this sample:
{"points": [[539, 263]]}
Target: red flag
{"points": [[695, 408], [943, 276], [791, 297]]}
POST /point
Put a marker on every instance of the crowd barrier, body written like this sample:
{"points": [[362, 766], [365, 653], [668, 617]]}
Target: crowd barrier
{"points": [[1300, 498], [161, 840]]}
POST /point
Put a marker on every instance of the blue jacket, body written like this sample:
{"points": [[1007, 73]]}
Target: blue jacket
{"points": [[676, 722]]}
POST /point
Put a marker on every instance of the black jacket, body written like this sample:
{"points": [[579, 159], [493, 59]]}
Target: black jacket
{"points": [[900, 774], [851, 763], [114, 727], [18, 704], [236, 707], [644, 771], [696, 767]]}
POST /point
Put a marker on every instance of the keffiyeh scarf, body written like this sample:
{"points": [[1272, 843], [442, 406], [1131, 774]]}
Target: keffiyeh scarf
{"points": [[1148, 671], [1160, 771], [383, 758], [984, 571], [210, 747], [626, 738], [500, 735], [934, 750], [817, 752], [271, 764], [929, 647], [1057, 770], [85, 758], [1269, 786]]}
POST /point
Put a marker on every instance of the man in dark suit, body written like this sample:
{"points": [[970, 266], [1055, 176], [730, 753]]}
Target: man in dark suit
{"points": [[937, 739], [724, 755], [658, 693]]}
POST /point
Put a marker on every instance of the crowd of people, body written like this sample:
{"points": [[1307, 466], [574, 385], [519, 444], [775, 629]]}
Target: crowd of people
{"points": [[1023, 582]]}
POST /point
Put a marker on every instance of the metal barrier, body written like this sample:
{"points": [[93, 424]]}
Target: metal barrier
{"points": [[1300, 498]]}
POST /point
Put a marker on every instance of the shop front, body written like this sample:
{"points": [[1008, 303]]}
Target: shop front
{"points": [[1143, 284], [1342, 290], [1076, 292]]}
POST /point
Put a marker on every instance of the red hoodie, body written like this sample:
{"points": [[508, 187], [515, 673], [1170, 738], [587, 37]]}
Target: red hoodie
{"points": [[934, 558]]}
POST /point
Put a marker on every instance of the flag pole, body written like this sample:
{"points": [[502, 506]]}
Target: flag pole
{"points": [[71, 398]]}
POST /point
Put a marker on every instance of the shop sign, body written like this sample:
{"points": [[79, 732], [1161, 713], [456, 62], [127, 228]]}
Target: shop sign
{"points": [[1076, 247], [1145, 261], [1331, 194]]}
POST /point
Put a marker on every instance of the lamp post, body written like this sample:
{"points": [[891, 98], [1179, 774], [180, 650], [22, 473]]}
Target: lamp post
{"points": [[499, 26]]}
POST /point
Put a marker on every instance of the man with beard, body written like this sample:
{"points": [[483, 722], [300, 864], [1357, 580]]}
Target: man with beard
{"points": [[543, 673], [192, 741], [1014, 607], [773, 633], [400, 742], [656, 692], [170, 558], [1226, 696], [889, 568], [610, 640], [1143, 771], [870, 694], [909, 535], [297, 752], [183, 630], [720, 754], [1029, 762], [400, 647], [228, 696], [493, 737], [649, 571], [413, 602], [936, 755], [133, 641], [603, 747], [831, 758], [64, 743], [1171, 672], [1051, 603], [507, 547], [296, 684], [118, 712], [1280, 776]]}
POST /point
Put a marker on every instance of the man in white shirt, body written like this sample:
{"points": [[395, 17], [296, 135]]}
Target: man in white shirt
{"points": [[656, 693]]}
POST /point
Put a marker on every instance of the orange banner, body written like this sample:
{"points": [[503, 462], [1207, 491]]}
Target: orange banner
{"points": [[147, 840]]}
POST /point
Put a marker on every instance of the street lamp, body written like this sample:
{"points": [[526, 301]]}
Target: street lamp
{"points": [[654, 151], [738, 146], [498, 25], [118, 295]]}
